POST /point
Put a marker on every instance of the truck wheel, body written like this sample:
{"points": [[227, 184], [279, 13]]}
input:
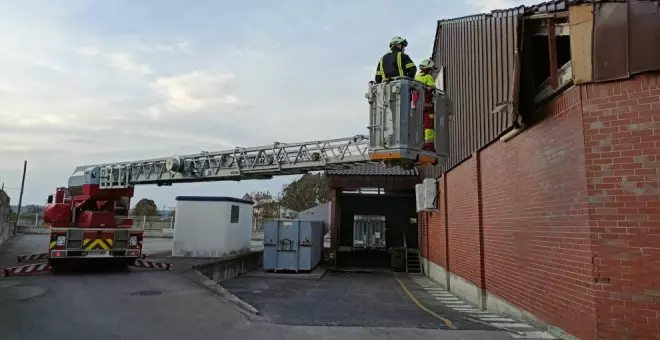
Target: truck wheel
{"points": [[57, 267]]}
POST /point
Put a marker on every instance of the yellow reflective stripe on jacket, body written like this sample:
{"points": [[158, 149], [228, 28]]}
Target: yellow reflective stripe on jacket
{"points": [[409, 65], [429, 135], [381, 72], [425, 79], [398, 63]]}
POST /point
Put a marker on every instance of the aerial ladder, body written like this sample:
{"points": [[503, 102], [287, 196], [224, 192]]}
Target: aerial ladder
{"points": [[84, 217]]}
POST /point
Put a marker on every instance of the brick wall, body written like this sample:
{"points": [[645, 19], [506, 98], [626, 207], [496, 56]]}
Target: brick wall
{"points": [[622, 139], [463, 222], [436, 229], [536, 225], [334, 218], [569, 212]]}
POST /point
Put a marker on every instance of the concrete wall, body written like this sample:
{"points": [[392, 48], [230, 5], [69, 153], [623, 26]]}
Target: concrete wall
{"points": [[560, 225], [232, 266], [5, 226]]}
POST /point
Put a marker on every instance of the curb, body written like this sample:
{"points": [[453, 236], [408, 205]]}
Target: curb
{"points": [[31, 231], [216, 288]]}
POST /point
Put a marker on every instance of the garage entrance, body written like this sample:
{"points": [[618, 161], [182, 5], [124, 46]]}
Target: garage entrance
{"points": [[373, 218]]}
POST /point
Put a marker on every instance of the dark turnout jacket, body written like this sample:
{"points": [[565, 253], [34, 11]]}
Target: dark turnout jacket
{"points": [[395, 64]]}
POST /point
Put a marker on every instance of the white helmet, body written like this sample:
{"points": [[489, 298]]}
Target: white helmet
{"points": [[426, 64]]}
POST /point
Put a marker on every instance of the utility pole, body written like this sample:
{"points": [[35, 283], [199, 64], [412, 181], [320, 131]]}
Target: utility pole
{"points": [[20, 198]]}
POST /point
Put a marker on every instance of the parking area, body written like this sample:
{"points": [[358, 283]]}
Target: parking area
{"points": [[341, 299]]}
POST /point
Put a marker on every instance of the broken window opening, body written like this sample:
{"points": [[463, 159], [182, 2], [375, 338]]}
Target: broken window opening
{"points": [[550, 57]]}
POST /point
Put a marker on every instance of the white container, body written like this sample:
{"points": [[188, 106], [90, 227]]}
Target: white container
{"points": [[212, 226]]}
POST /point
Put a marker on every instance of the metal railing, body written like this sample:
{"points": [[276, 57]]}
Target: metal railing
{"points": [[142, 222]]}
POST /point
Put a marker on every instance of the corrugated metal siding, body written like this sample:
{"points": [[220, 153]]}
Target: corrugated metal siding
{"points": [[626, 39], [478, 53]]}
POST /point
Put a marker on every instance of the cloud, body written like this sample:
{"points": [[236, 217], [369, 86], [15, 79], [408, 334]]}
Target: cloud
{"points": [[128, 63], [195, 91], [88, 50], [181, 46]]}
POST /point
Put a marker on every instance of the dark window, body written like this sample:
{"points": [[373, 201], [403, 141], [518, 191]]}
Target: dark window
{"points": [[234, 214]]}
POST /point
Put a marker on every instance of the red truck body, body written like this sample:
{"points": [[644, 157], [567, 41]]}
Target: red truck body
{"points": [[86, 226]]}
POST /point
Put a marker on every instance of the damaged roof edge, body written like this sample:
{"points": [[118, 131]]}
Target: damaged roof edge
{"points": [[540, 8]]}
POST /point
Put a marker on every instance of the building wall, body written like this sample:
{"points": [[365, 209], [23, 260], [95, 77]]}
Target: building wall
{"points": [[536, 226], [4, 216], [566, 215], [463, 222], [622, 135]]}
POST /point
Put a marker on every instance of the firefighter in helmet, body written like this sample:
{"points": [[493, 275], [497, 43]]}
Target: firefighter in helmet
{"points": [[425, 75], [395, 63]]}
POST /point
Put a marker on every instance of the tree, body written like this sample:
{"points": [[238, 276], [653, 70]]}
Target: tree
{"points": [[146, 207], [308, 191], [265, 207]]}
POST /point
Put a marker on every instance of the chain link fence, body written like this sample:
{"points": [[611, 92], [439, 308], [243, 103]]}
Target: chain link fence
{"points": [[148, 223]]}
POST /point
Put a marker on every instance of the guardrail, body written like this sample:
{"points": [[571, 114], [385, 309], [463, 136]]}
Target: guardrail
{"points": [[142, 222]]}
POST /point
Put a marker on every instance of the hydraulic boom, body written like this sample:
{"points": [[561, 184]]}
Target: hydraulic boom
{"points": [[262, 162]]}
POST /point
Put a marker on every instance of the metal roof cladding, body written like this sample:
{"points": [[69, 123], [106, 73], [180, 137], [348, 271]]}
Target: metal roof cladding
{"points": [[372, 169], [212, 199]]}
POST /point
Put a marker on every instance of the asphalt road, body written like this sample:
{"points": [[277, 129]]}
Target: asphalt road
{"points": [[341, 299], [143, 304]]}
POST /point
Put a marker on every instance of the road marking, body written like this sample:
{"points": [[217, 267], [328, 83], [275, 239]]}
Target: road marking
{"points": [[447, 299], [516, 329], [510, 325], [443, 296], [479, 315], [448, 323], [533, 335], [496, 319]]}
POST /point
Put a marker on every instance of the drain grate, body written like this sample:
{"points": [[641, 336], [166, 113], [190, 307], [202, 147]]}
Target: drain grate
{"points": [[147, 293]]}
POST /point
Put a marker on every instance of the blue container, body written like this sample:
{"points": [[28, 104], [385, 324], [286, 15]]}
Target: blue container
{"points": [[293, 245]]}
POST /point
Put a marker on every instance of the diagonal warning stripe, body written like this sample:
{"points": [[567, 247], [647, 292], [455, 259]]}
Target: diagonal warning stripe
{"points": [[99, 243]]}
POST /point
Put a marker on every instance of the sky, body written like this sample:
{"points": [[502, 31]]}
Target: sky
{"points": [[85, 81]]}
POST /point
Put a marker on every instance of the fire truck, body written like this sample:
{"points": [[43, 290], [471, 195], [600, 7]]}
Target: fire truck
{"points": [[84, 217]]}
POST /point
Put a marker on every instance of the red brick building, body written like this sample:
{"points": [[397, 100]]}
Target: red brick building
{"points": [[549, 207]]}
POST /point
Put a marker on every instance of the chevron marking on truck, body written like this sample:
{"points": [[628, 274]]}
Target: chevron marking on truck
{"points": [[52, 244], [99, 243]]}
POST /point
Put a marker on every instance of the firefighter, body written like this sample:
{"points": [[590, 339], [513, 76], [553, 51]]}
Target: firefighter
{"points": [[395, 63], [425, 76]]}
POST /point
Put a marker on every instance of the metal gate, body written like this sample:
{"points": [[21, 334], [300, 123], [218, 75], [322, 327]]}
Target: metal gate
{"points": [[369, 231]]}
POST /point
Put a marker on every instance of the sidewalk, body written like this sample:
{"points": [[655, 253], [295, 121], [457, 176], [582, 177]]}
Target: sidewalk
{"points": [[434, 297]]}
